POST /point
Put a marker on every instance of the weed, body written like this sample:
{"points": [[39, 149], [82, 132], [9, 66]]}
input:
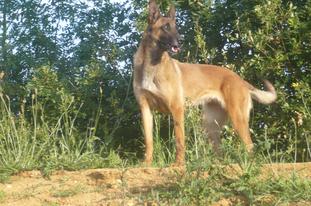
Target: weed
{"points": [[47, 203], [164, 148], [247, 187], [62, 193], [28, 141], [27, 193], [2, 196], [208, 179]]}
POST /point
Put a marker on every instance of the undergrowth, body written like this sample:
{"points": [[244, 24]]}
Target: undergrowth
{"points": [[211, 177], [233, 177], [28, 141]]}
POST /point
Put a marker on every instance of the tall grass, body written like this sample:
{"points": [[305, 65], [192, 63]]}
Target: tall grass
{"points": [[267, 149], [164, 148], [28, 141], [19, 143], [208, 180]]}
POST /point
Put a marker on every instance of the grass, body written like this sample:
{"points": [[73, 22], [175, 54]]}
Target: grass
{"points": [[27, 193], [47, 203], [2, 196], [246, 188], [35, 143], [63, 193]]}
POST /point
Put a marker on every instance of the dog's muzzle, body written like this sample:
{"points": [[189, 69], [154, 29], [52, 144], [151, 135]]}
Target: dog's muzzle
{"points": [[174, 47]]}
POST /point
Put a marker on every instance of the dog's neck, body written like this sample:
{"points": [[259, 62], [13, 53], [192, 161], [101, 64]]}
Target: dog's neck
{"points": [[150, 58]]}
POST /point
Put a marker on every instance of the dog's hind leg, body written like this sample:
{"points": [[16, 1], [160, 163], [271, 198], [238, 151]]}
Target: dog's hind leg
{"points": [[239, 114], [214, 117]]}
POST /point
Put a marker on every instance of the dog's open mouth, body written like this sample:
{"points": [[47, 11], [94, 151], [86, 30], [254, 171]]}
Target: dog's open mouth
{"points": [[175, 49]]}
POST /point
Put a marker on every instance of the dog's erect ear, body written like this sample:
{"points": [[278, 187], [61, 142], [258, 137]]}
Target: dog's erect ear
{"points": [[154, 12], [171, 12]]}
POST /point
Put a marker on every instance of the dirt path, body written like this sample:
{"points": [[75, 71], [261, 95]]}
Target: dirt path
{"points": [[108, 186]]}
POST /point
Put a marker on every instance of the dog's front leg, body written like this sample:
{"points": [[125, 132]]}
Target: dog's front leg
{"points": [[147, 119], [178, 117]]}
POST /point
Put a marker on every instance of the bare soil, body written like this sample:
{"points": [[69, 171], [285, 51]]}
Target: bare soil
{"points": [[112, 186]]}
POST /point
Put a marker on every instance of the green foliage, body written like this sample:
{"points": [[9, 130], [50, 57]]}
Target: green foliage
{"points": [[38, 144], [213, 181], [67, 100], [219, 182], [68, 192], [2, 196], [234, 175], [164, 144], [259, 40], [279, 53], [45, 87]]}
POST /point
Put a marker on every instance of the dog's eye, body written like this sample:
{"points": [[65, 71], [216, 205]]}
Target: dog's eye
{"points": [[166, 27]]}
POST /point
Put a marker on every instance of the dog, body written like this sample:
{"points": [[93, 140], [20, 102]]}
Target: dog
{"points": [[164, 84]]}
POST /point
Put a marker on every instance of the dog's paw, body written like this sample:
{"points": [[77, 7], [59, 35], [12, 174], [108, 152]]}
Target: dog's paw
{"points": [[146, 163], [178, 164]]}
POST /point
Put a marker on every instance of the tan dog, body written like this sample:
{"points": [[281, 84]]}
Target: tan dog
{"points": [[163, 83]]}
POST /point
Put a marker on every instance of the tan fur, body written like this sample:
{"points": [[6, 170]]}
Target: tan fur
{"points": [[163, 83]]}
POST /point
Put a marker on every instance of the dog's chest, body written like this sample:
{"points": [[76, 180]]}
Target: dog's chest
{"points": [[162, 76], [149, 77], [160, 86]]}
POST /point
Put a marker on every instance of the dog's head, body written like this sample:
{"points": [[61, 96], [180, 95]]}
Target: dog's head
{"points": [[162, 29]]}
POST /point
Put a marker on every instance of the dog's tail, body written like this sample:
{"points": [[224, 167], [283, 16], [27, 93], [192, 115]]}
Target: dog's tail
{"points": [[264, 97]]}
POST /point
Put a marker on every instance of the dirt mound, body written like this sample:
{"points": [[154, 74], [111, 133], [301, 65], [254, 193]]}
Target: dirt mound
{"points": [[87, 187], [109, 186]]}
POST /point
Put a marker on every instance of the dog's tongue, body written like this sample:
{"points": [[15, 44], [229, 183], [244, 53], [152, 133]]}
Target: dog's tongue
{"points": [[175, 49]]}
